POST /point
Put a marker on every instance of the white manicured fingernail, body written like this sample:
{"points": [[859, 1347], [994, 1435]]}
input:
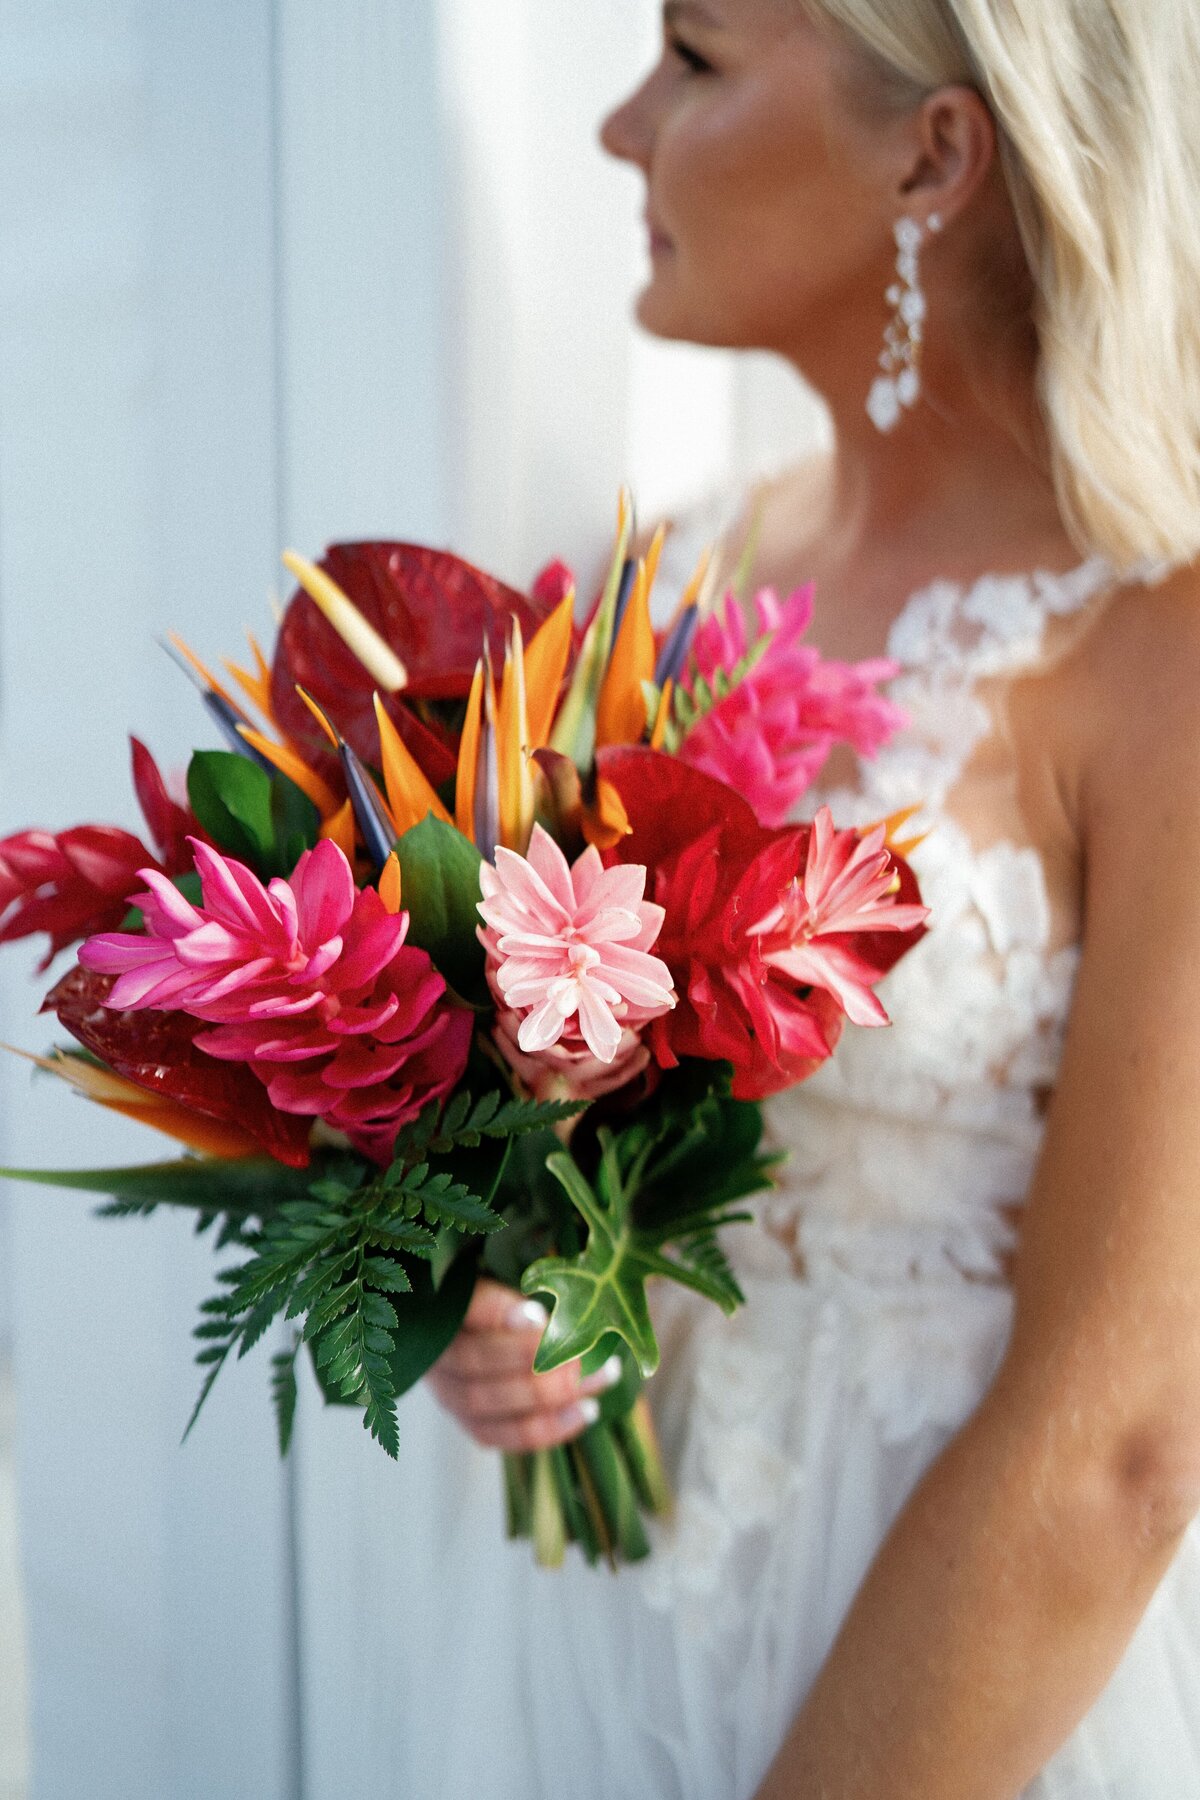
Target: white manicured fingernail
{"points": [[584, 1412], [607, 1376], [529, 1312]]}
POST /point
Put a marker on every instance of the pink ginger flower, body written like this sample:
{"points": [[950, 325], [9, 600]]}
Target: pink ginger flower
{"points": [[771, 736], [568, 1070], [567, 948], [307, 981], [848, 887]]}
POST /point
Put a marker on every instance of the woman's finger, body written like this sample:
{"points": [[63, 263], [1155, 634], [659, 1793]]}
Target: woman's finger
{"points": [[497, 1308], [536, 1431], [490, 1353], [487, 1397]]}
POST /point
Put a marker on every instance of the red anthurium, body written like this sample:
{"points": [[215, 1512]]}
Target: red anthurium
{"points": [[434, 610], [771, 936], [156, 1051], [552, 584]]}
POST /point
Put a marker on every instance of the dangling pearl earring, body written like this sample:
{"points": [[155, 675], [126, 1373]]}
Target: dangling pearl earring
{"points": [[900, 384]]}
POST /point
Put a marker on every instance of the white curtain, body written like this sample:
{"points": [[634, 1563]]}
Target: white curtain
{"points": [[272, 272]]}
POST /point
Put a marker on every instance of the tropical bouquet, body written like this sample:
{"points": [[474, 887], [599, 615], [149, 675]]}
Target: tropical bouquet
{"points": [[475, 949]]}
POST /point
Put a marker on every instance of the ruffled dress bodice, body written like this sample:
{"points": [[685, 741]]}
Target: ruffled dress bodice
{"points": [[877, 1314]]}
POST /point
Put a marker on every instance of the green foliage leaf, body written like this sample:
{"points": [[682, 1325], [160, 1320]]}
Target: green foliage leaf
{"points": [[295, 823], [464, 1124], [601, 1290], [245, 1185], [352, 1255], [439, 870], [260, 817], [231, 797], [660, 1191]]}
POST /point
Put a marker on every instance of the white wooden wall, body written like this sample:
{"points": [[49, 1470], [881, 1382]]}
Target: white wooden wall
{"points": [[271, 271]]}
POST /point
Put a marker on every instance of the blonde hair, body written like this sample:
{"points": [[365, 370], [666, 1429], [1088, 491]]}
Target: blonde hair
{"points": [[1096, 104]]}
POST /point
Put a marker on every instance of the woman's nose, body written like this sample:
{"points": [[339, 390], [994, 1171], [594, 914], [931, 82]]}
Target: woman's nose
{"points": [[627, 133]]}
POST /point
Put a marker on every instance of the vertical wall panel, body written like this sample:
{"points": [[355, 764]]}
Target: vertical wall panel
{"points": [[271, 272], [361, 218], [137, 490]]}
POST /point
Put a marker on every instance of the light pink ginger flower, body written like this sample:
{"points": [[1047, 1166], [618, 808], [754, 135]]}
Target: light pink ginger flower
{"points": [[567, 958], [771, 736], [307, 981], [848, 887]]}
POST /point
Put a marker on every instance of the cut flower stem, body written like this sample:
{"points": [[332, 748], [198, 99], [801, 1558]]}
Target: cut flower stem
{"points": [[592, 1492]]}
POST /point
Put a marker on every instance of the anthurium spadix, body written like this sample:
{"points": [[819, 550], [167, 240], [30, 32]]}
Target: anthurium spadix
{"points": [[373, 652]]}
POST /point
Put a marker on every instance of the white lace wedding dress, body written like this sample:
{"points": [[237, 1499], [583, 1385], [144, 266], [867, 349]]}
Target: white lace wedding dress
{"points": [[877, 1314]]}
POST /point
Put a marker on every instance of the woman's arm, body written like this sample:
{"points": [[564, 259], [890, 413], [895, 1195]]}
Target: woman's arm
{"points": [[1008, 1589]]}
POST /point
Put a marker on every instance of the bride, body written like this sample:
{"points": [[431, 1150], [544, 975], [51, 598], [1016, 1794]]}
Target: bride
{"points": [[936, 1481]]}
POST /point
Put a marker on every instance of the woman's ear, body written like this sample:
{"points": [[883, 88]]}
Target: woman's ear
{"points": [[955, 151]]}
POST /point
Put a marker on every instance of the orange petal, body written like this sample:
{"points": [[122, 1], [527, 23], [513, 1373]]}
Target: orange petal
{"points": [[288, 763], [257, 685], [621, 711], [116, 1094], [390, 884], [320, 715], [339, 828], [663, 716], [410, 793], [209, 1136], [893, 826], [513, 746], [545, 666], [468, 756], [606, 822], [695, 588], [204, 672], [653, 555]]}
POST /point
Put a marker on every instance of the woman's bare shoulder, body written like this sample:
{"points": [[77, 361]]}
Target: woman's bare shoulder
{"points": [[1137, 688]]}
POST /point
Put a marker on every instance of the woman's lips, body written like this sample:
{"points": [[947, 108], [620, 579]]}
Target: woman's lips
{"points": [[659, 241]]}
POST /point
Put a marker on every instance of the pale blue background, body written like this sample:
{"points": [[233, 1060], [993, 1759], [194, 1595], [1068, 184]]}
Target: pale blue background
{"points": [[271, 272]]}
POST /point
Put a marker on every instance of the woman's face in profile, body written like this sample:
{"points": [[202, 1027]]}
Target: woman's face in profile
{"points": [[767, 195]]}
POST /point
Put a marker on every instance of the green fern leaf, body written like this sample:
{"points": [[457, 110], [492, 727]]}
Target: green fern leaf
{"points": [[283, 1395], [381, 1272]]}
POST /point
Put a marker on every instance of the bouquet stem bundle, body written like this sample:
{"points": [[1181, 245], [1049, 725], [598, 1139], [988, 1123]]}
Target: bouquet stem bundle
{"points": [[592, 1492]]}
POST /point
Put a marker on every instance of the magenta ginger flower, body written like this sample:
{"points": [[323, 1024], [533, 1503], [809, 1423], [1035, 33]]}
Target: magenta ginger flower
{"points": [[307, 981], [568, 962], [770, 737]]}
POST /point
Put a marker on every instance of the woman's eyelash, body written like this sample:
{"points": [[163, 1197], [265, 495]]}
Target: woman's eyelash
{"points": [[689, 57]]}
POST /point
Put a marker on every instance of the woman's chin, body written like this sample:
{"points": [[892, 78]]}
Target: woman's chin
{"points": [[663, 312]]}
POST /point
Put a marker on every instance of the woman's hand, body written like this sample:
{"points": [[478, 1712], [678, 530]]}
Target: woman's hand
{"points": [[486, 1379]]}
